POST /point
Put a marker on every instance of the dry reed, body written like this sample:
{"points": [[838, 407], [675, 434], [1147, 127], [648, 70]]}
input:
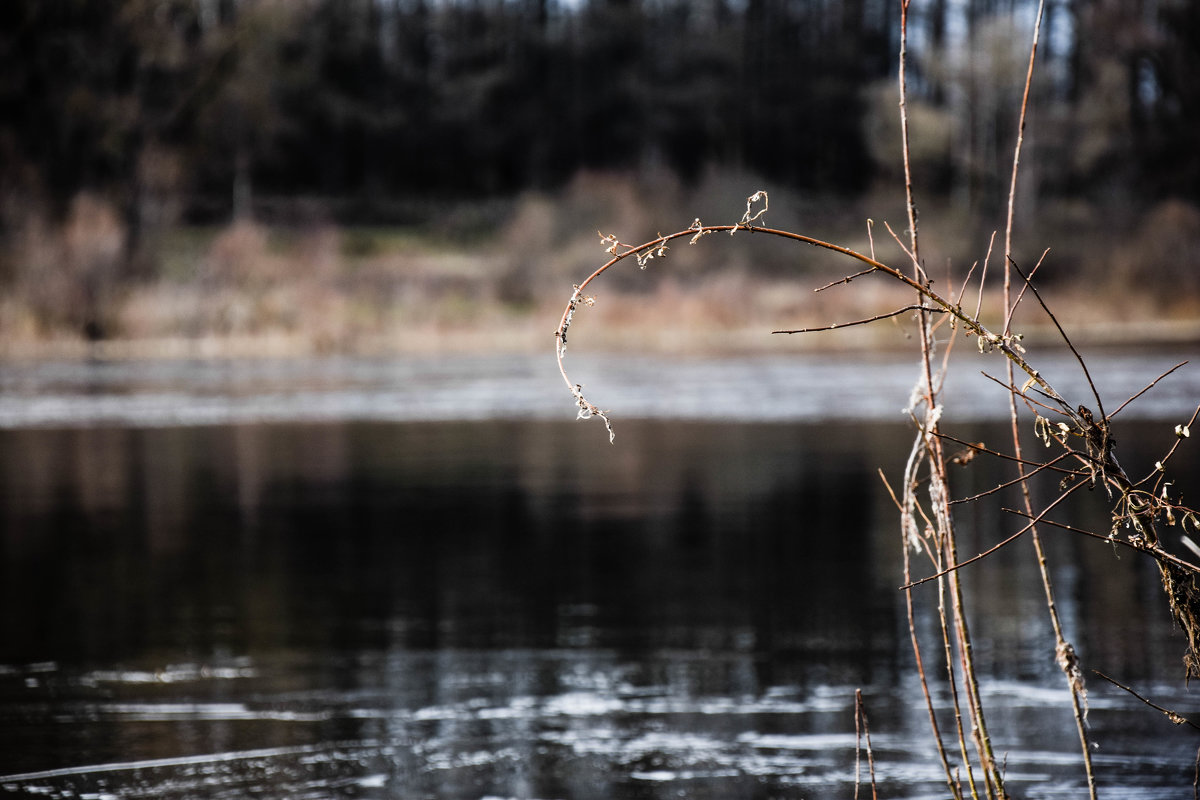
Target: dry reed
{"points": [[1077, 433]]}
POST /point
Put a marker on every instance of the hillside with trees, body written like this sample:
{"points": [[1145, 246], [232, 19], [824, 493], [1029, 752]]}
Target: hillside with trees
{"points": [[125, 123]]}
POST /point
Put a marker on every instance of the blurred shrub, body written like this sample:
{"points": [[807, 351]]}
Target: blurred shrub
{"points": [[68, 274], [1162, 256]]}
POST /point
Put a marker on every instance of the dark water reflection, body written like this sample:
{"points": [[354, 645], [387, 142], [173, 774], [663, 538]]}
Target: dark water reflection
{"points": [[516, 609]]}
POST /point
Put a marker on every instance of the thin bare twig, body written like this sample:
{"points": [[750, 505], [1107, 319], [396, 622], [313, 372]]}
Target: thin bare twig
{"points": [[1009, 387], [877, 318], [1153, 550], [983, 275], [1146, 388], [862, 728], [846, 279], [960, 564], [910, 202], [899, 241], [1019, 480], [1158, 471], [979, 447], [1174, 716], [1021, 294], [1066, 339], [966, 281]]}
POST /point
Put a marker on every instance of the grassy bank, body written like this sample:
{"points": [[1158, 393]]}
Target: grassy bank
{"points": [[495, 277]]}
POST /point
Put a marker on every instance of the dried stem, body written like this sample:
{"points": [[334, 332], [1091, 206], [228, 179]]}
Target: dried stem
{"points": [[957, 565], [955, 790], [861, 729], [910, 204], [876, 318], [1174, 716], [1146, 388], [1065, 652], [927, 521]]}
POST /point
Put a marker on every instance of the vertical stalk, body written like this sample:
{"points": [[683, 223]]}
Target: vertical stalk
{"points": [[994, 782], [908, 184], [1063, 649], [939, 497], [909, 536]]}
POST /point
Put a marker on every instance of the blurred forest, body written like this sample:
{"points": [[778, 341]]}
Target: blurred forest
{"points": [[350, 168]]}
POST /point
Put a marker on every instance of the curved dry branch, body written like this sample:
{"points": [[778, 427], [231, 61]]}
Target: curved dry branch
{"points": [[1007, 344]]}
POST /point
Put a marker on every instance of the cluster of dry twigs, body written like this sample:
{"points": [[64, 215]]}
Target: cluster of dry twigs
{"points": [[1079, 440]]}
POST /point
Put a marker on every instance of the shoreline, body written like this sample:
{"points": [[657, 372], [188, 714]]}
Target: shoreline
{"points": [[522, 338]]}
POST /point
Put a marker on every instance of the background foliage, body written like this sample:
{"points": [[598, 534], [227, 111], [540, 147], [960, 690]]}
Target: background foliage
{"points": [[136, 116]]}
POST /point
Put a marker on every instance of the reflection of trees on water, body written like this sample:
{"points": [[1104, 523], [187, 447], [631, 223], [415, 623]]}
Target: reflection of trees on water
{"points": [[769, 540]]}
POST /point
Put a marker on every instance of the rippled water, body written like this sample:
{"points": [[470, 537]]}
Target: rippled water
{"points": [[279, 599], [544, 723]]}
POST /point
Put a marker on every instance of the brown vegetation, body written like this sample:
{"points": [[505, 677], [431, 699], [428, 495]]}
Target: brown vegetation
{"points": [[484, 278]]}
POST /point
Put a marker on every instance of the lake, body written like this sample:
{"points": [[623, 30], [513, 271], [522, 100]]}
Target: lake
{"points": [[422, 578]]}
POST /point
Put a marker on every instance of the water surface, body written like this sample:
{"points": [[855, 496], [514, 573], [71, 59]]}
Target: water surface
{"points": [[758, 388], [292, 606]]}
